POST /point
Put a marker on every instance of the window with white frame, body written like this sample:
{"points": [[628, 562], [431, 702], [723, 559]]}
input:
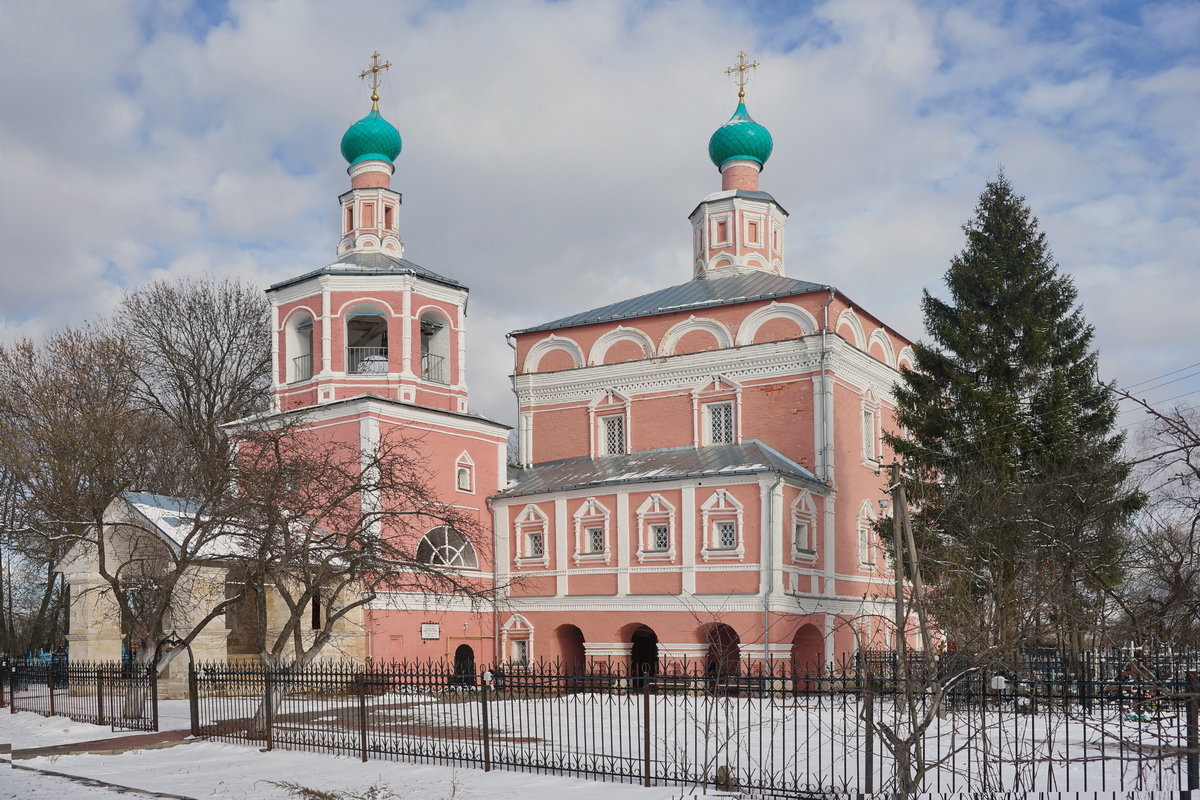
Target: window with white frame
{"points": [[595, 540], [726, 537], [804, 523], [591, 531], [866, 537], [659, 539], [530, 536], [463, 481], [464, 473], [870, 431], [656, 529], [520, 651], [719, 423], [721, 517], [612, 435]]}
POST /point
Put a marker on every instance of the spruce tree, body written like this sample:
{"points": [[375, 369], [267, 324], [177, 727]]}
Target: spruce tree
{"points": [[1010, 441]]}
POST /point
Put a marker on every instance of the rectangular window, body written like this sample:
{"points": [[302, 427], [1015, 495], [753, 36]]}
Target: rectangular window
{"points": [[537, 545], [722, 232], [612, 438], [660, 537], [870, 451], [726, 535], [720, 423], [595, 540], [752, 232], [520, 651], [864, 543], [800, 536], [464, 479]]}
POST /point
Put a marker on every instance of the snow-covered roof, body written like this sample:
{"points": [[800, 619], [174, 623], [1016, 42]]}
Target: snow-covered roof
{"points": [[174, 519], [675, 463]]}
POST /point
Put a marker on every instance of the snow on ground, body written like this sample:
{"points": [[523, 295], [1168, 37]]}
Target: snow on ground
{"points": [[201, 769]]}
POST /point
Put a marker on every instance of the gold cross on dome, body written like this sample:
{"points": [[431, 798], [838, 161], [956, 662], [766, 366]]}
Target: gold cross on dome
{"points": [[741, 68], [374, 71]]}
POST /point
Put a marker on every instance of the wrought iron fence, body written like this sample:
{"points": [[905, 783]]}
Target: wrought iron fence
{"points": [[119, 694], [434, 368], [763, 732]]}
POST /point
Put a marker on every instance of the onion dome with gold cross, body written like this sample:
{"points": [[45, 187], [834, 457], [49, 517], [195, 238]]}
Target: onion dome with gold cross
{"points": [[372, 138], [741, 138]]}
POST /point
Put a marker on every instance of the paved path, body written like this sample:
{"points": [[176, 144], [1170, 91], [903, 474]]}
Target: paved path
{"points": [[114, 744]]}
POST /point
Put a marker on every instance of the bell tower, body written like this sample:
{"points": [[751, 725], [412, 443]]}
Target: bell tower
{"points": [[738, 229]]}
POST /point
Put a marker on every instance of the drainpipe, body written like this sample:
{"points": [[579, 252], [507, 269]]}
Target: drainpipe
{"points": [[768, 579], [826, 394]]}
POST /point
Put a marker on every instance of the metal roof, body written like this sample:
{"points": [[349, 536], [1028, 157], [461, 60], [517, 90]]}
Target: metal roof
{"points": [[673, 463], [688, 296], [371, 264]]}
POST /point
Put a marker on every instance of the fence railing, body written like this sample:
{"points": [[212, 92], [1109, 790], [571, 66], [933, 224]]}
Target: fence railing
{"points": [[122, 695], [367, 360], [772, 733]]}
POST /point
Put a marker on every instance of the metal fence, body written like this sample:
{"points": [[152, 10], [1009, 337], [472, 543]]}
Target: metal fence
{"points": [[122, 695], [765, 733]]}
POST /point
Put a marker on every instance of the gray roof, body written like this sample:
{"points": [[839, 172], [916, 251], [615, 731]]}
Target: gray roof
{"points": [[673, 463], [694, 294], [740, 193], [371, 264]]}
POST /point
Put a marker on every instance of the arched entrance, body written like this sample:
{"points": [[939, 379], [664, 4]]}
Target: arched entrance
{"points": [[724, 651], [808, 657], [573, 656], [643, 656], [464, 666]]}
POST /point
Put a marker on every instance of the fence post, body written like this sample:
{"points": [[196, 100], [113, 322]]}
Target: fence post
{"points": [[193, 699], [487, 734], [869, 707], [362, 717], [50, 686], [99, 694], [1193, 733], [12, 689], [152, 672], [646, 730], [269, 716]]}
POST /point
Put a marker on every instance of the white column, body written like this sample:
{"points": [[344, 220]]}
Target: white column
{"points": [[623, 544], [560, 546], [687, 533]]}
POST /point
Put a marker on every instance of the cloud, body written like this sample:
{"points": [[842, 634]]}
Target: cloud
{"points": [[553, 150]]}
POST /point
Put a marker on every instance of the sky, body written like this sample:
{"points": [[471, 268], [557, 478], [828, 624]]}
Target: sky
{"points": [[553, 150]]}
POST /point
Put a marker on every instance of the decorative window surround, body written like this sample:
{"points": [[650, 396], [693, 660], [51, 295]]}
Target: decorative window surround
{"points": [[592, 517], [608, 418], [464, 473], [715, 392], [719, 423], [530, 530], [517, 640], [871, 445], [867, 555], [653, 516], [718, 513], [804, 529]]}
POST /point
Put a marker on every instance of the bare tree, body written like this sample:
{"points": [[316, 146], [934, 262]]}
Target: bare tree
{"points": [[203, 359], [328, 524]]}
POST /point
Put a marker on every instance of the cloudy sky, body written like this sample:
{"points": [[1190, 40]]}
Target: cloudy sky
{"points": [[553, 150]]}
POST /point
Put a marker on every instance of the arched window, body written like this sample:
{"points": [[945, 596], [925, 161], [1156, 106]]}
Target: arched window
{"points": [[445, 547], [299, 345], [366, 341], [435, 348]]}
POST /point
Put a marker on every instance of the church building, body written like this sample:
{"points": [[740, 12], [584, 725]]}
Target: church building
{"points": [[700, 467]]}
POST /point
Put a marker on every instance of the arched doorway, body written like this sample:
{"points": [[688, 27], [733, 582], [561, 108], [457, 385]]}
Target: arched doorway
{"points": [[808, 657], [643, 655], [724, 651], [573, 656], [464, 666]]}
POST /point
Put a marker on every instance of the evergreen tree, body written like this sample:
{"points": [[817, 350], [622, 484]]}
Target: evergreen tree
{"points": [[1010, 441]]}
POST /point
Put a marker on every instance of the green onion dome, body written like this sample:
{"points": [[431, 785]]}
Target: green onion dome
{"points": [[741, 137], [371, 138]]}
